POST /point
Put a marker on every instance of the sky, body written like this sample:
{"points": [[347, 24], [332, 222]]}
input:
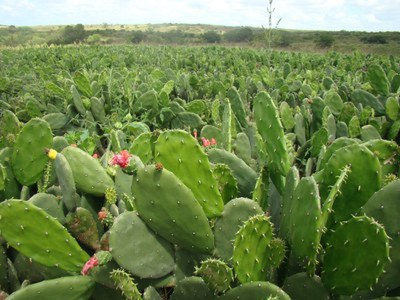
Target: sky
{"points": [[359, 15]]}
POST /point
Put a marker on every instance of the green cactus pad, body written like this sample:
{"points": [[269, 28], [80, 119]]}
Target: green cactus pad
{"points": [[363, 180], [237, 106], [150, 293], [65, 288], [66, 181], [143, 146], [171, 210], [336, 145], [193, 288], [35, 234], [365, 98], [10, 127], [90, 177], [257, 290], [245, 176], [301, 287], [387, 153], [235, 213], [227, 184], [180, 153], [355, 257], [29, 158], [334, 102], [242, 147], [216, 274], [384, 207], [251, 249], [4, 284], [261, 190], [12, 188], [378, 80], [270, 128], [292, 179], [305, 220], [136, 248], [56, 120], [50, 204]]}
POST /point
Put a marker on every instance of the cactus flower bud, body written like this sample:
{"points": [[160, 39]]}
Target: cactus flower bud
{"points": [[90, 264]]}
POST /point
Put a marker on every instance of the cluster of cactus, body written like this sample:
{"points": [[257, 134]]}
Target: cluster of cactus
{"points": [[275, 189]]}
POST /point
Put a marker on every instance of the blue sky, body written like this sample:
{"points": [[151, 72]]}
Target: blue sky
{"points": [[364, 15]]}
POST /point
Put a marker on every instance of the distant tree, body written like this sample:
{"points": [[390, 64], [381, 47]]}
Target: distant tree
{"points": [[138, 36], [374, 39], [73, 34], [285, 38], [94, 39], [325, 40], [212, 37], [244, 34]]}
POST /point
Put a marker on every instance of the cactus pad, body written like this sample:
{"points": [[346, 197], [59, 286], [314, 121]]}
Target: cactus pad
{"points": [[356, 254], [171, 210], [35, 234], [251, 249], [235, 213], [29, 158], [138, 249]]}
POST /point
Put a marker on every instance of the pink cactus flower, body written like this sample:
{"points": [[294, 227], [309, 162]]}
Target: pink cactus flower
{"points": [[74, 145], [207, 142], [95, 155], [121, 159], [195, 134], [90, 264]]}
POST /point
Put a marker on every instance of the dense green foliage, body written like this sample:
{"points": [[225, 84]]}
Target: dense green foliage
{"points": [[198, 172]]}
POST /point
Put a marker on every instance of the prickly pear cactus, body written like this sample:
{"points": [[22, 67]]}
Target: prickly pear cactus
{"points": [[235, 213], [292, 179], [192, 288], [300, 286], [270, 128], [356, 255], [384, 207], [65, 288], [29, 157], [256, 290], [130, 242], [251, 249], [83, 227], [143, 146], [305, 224], [65, 179], [180, 153], [227, 184], [245, 176], [124, 282], [90, 177], [10, 127], [363, 180], [216, 274], [39, 236], [170, 209], [378, 80]]}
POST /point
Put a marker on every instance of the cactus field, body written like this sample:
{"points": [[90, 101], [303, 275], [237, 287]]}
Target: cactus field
{"points": [[204, 173]]}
